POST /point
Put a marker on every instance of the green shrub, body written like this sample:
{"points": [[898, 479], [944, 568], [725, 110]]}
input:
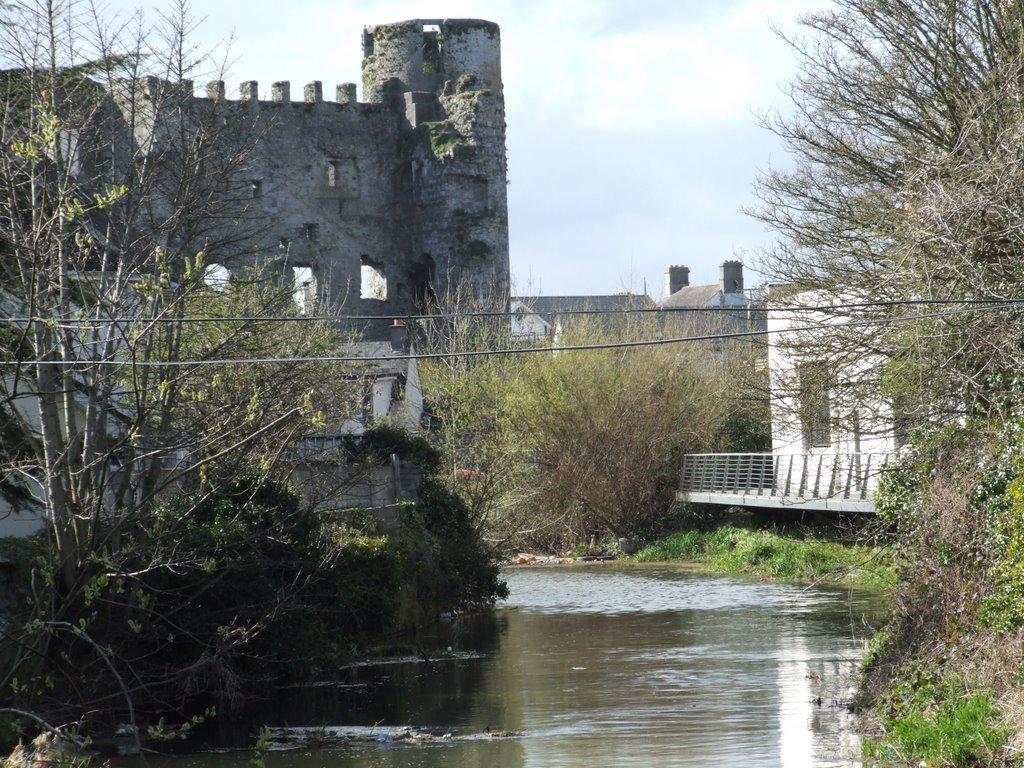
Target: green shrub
{"points": [[959, 731], [684, 545], [772, 554], [1003, 607]]}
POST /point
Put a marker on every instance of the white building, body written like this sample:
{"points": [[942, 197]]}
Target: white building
{"points": [[832, 427]]}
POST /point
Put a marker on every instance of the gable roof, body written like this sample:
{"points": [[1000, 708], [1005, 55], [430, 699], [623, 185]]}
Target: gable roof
{"points": [[692, 296], [701, 296], [552, 306]]}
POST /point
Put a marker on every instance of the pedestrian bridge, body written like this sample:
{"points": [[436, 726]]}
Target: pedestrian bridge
{"points": [[794, 482]]}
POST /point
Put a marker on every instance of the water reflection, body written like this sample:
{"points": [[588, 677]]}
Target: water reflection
{"points": [[619, 666]]}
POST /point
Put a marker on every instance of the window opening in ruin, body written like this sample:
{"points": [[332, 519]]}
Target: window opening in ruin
{"points": [[69, 149], [217, 276], [421, 279], [431, 49], [373, 283], [343, 175], [257, 188], [304, 282], [309, 230], [480, 193]]}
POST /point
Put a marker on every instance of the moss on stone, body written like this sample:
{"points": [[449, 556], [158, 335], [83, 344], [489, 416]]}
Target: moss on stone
{"points": [[463, 26], [388, 33], [443, 140]]}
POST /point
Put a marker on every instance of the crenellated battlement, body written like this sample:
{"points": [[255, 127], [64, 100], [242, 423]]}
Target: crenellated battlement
{"points": [[154, 88], [281, 92]]}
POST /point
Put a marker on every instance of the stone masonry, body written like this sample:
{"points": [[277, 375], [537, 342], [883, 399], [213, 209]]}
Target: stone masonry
{"points": [[383, 201]]}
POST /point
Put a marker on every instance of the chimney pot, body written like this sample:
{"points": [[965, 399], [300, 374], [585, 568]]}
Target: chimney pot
{"points": [[676, 278], [732, 276]]}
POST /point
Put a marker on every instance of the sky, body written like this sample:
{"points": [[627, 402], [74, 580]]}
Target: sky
{"points": [[633, 140]]}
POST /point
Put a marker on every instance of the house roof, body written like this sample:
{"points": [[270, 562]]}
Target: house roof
{"points": [[699, 296], [550, 306], [376, 350], [691, 296]]}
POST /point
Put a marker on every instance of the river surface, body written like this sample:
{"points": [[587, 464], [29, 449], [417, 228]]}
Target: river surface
{"points": [[600, 666]]}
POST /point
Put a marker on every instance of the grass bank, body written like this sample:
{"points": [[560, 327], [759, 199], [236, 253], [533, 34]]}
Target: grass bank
{"points": [[798, 554], [943, 681]]}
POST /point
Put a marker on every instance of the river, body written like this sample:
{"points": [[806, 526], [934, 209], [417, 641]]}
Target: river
{"points": [[603, 666]]}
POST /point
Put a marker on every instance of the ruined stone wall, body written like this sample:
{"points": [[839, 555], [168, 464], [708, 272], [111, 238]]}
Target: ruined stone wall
{"points": [[322, 181], [386, 200], [448, 73]]}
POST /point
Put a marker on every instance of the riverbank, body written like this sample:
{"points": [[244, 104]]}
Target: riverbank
{"points": [[943, 682], [814, 555]]}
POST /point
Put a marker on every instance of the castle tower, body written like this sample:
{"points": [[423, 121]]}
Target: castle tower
{"points": [[444, 76], [422, 54]]}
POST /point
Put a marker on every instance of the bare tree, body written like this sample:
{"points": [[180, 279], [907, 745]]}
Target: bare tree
{"points": [[605, 430], [126, 375], [905, 141]]}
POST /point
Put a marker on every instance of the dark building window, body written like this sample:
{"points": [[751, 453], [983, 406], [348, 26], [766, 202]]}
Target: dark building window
{"points": [[815, 405]]}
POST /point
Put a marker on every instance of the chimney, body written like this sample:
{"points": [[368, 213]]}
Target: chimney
{"points": [[676, 278], [398, 336], [732, 276]]}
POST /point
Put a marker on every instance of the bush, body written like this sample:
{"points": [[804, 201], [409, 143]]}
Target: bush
{"points": [[217, 593], [936, 678], [962, 730], [773, 554]]}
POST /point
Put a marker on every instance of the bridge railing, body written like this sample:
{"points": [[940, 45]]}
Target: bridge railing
{"points": [[847, 477]]}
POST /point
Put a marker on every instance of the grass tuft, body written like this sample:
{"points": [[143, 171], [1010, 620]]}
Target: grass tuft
{"points": [[771, 554], [961, 731]]}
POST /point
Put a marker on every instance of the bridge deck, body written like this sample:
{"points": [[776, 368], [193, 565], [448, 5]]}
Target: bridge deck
{"points": [[813, 482]]}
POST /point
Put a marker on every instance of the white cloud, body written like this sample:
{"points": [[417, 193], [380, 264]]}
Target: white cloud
{"points": [[651, 80]]}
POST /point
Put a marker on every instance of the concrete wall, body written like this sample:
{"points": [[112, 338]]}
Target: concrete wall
{"points": [[338, 488]]}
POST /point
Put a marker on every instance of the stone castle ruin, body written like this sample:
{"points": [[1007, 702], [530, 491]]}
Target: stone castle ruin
{"points": [[377, 203]]}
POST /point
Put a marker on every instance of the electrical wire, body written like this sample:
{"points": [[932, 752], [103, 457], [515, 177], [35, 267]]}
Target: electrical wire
{"points": [[74, 322], [357, 359]]}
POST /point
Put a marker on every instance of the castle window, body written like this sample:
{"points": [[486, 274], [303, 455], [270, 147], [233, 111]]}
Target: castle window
{"points": [[343, 175], [480, 193], [257, 188], [373, 283], [217, 276], [431, 49], [305, 289]]}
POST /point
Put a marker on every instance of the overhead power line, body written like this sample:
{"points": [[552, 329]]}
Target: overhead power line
{"points": [[75, 322], [362, 359]]}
